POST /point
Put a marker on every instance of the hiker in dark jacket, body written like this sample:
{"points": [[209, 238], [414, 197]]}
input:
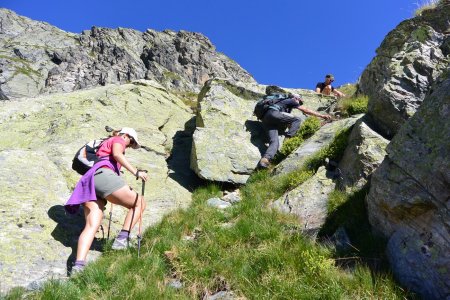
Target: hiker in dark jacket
{"points": [[278, 118], [103, 182]]}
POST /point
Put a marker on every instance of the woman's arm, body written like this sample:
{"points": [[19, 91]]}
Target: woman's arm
{"points": [[117, 152]]}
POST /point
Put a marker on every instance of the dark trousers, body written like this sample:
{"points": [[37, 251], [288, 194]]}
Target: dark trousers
{"points": [[275, 123]]}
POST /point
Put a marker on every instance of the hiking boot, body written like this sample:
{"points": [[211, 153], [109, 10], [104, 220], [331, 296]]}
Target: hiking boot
{"points": [[76, 269], [264, 163], [286, 136], [121, 244]]}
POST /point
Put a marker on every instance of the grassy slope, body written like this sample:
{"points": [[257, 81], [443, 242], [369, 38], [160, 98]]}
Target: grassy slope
{"points": [[250, 249]]}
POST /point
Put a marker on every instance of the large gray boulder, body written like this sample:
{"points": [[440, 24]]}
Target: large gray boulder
{"points": [[222, 148], [322, 138], [37, 58], [408, 202], [408, 62], [365, 151], [39, 139]]}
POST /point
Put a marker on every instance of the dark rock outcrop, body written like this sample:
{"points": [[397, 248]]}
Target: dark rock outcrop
{"points": [[408, 62]]}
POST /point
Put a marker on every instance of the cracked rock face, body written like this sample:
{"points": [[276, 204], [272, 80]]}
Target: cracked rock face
{"points": [[39, 139], [308, 201], [408, 62], [409, 196], [222, 148], [37, 58], [322, 138], [365, 151]]}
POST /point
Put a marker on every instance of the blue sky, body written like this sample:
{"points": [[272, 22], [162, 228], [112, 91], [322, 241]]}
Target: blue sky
{"points": [[286, 43]]}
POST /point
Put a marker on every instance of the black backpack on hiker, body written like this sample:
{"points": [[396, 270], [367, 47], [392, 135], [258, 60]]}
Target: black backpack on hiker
{"points": [[86, 156], [263, 105]]}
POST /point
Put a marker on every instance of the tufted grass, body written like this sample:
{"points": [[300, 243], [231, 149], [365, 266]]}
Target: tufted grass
{"points": [[348, 89], [353, 106], [366, 248], [307, 129], [248, 248], [425, 5]]}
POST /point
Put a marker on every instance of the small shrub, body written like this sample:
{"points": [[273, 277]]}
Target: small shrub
{"points": [[316, 263], [296, 178], [353, 106], [307, 129], [289, 146], [358, 106]]}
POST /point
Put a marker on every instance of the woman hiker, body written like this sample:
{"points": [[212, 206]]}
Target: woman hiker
{"points": [[103, 183]]}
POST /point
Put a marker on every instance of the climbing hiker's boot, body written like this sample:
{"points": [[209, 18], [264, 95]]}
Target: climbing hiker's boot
{"points": [[264, 163]]}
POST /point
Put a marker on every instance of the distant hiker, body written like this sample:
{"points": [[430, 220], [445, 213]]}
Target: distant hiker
{"points": [[326, 88], [278, 117], [103, 183]]}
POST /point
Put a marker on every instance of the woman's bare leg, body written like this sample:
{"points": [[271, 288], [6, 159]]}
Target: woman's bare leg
{"points": [[93, 212], [127, 198]]}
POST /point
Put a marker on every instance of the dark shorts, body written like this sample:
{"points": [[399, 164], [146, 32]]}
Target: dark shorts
{"points": [[107, 182]]}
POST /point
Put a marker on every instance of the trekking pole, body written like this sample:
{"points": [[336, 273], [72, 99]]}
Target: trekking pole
{"points": [[139, 237], [109, 223]]}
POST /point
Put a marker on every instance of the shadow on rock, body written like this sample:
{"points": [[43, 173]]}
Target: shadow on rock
{"points": [[68, 229], [178, 162], [258, 135]]}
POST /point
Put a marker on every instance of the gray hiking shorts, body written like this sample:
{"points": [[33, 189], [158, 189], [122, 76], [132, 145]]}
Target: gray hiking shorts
{"points": [[106, 182]]}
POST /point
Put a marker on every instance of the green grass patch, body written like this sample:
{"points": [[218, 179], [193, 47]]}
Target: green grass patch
{"points": [[348, 210], [24, 68], [307, 129], [171, 75], [348, 89], [240, 91], [188, 98], [353, 106], [15, 59], [27, 71]]}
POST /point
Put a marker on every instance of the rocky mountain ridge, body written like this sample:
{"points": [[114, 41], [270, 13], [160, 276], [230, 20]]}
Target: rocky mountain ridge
{"points": [[37, 58]]}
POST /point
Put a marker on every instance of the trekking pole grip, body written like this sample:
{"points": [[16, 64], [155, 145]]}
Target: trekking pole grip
{"points": [[143, 182]]}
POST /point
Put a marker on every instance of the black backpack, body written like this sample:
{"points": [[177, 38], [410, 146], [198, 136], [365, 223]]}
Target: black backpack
{"points": [[86, 156], [263, 105]]}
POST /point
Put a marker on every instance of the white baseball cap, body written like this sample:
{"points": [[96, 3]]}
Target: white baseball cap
{"points": [[131, 132]]}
